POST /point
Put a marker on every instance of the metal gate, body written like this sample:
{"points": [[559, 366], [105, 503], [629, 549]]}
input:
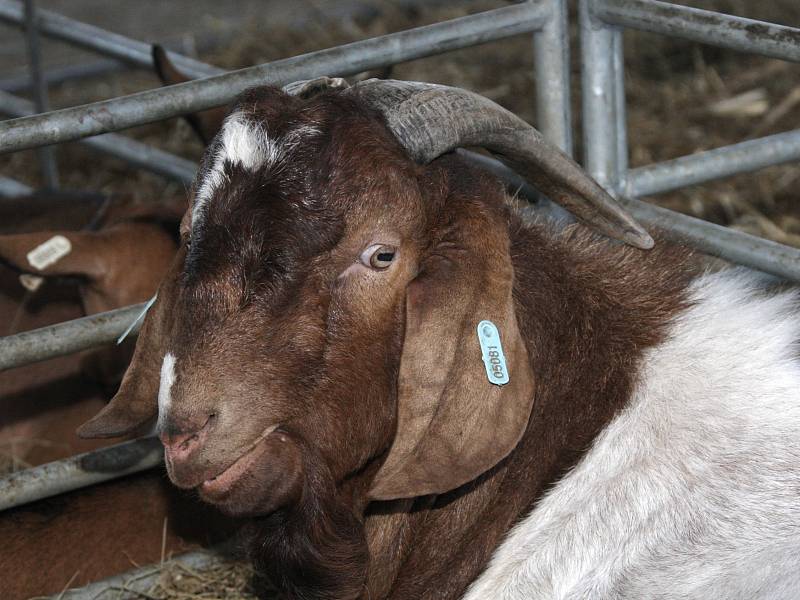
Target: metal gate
{"points": [[601, 25]]}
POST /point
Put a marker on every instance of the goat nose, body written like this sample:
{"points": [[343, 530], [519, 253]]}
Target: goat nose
{"points": [[181, 437]]}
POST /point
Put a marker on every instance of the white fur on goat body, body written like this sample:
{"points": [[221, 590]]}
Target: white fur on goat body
{"points": [[245, 143], [693, 491], [165, 387]]}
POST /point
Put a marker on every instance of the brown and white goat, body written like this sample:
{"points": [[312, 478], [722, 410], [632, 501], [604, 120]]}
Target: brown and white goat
{"points": [[313, 361], [119, 249]]}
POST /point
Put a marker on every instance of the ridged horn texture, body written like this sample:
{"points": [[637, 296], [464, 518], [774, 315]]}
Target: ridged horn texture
{"points": [[308, 87], [430, 120]]}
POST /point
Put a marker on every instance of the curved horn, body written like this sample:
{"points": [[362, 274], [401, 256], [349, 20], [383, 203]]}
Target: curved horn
{"points": [[309, 87], [430, 120]]}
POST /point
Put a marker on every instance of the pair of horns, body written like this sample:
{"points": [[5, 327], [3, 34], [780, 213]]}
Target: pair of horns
{"points": [[430, 120]]}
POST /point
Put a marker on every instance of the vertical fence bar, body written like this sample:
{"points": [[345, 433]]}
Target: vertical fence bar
{"points": [[601, 86], [47, 158], [620, 118], [551, 69]]}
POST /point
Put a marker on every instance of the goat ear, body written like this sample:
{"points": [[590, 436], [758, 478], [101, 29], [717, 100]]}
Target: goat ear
{"points": [[453, 423], [122, 264], [205, 123], [54, 253], [136, 402]]}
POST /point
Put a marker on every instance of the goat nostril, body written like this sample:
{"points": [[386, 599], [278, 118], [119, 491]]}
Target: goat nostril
{"points": [[184, 445], [182, 437]]}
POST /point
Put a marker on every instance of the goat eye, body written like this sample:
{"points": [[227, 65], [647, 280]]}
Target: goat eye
{"points": [[378, 256]]}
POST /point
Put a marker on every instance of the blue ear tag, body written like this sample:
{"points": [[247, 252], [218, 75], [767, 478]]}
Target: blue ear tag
{"points": [[492, 352], [135, 322]]}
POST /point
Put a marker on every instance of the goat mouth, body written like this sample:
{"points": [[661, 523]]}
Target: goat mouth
{"points": [[215, 488]]}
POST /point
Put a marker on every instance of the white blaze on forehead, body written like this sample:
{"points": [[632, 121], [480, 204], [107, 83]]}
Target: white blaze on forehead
{"points": [[165, 389], [243, 142]]}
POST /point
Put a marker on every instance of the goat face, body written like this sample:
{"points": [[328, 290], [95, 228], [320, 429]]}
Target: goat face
{"points": [[287, 308], [320, 318]]}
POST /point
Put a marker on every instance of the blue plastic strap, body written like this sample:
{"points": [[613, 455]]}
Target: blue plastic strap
{"points": [[141, 315]]}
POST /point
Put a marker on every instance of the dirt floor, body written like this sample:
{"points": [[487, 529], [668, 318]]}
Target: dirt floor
{"points": [[682, 98]]}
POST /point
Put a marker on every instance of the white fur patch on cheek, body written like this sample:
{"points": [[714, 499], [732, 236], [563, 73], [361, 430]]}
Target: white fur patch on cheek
{"points": [[165, 389]]}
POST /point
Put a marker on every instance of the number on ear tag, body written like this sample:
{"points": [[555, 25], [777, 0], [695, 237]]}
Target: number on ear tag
{"points": [[49, 252], [492, 352]]}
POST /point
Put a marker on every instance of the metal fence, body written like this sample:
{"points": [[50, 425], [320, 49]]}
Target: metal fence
{"points": [[605, 141]]}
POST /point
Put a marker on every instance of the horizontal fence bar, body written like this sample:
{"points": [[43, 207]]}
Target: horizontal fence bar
{"points": [[99, 40], [729, 244], [11, 187], [79, 471], [124, 148], [67, 337], [704, 26], [136, 582], [159, 104], [713, 164], [22, 83]]}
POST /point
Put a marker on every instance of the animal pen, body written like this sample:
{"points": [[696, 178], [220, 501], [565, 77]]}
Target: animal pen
{"points": [[601, 25]]}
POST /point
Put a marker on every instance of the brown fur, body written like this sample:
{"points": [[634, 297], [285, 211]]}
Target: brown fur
{"points": [[120, 249], [273, 323]]}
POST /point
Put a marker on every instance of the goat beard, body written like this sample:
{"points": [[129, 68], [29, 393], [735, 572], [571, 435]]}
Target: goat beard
{"points": [[317, 548]]}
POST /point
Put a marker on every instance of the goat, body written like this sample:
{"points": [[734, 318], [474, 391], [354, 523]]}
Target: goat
{"points": [[627, 428], [119, 249]]}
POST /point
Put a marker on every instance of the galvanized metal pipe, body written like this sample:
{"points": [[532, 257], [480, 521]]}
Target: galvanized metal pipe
{"points": [[729, 244], [11, 187], [551, 70], [99, 40], [602, 98], [156, 105], [47, 158], [713, 164], [704, 26], [133, 152], [79, 471], [67, 337]]}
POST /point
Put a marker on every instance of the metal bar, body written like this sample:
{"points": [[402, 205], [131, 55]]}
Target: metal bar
{"points": [[729, 244], [707, 27], [620, 113], [136, 582], [714, 164], [22, 83], [66, 338], [136, 153], [551, 70], [100, 40], [79, 471], [11, 187], [538, 205], [155, 105], [603, 127], [47, 159]]}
